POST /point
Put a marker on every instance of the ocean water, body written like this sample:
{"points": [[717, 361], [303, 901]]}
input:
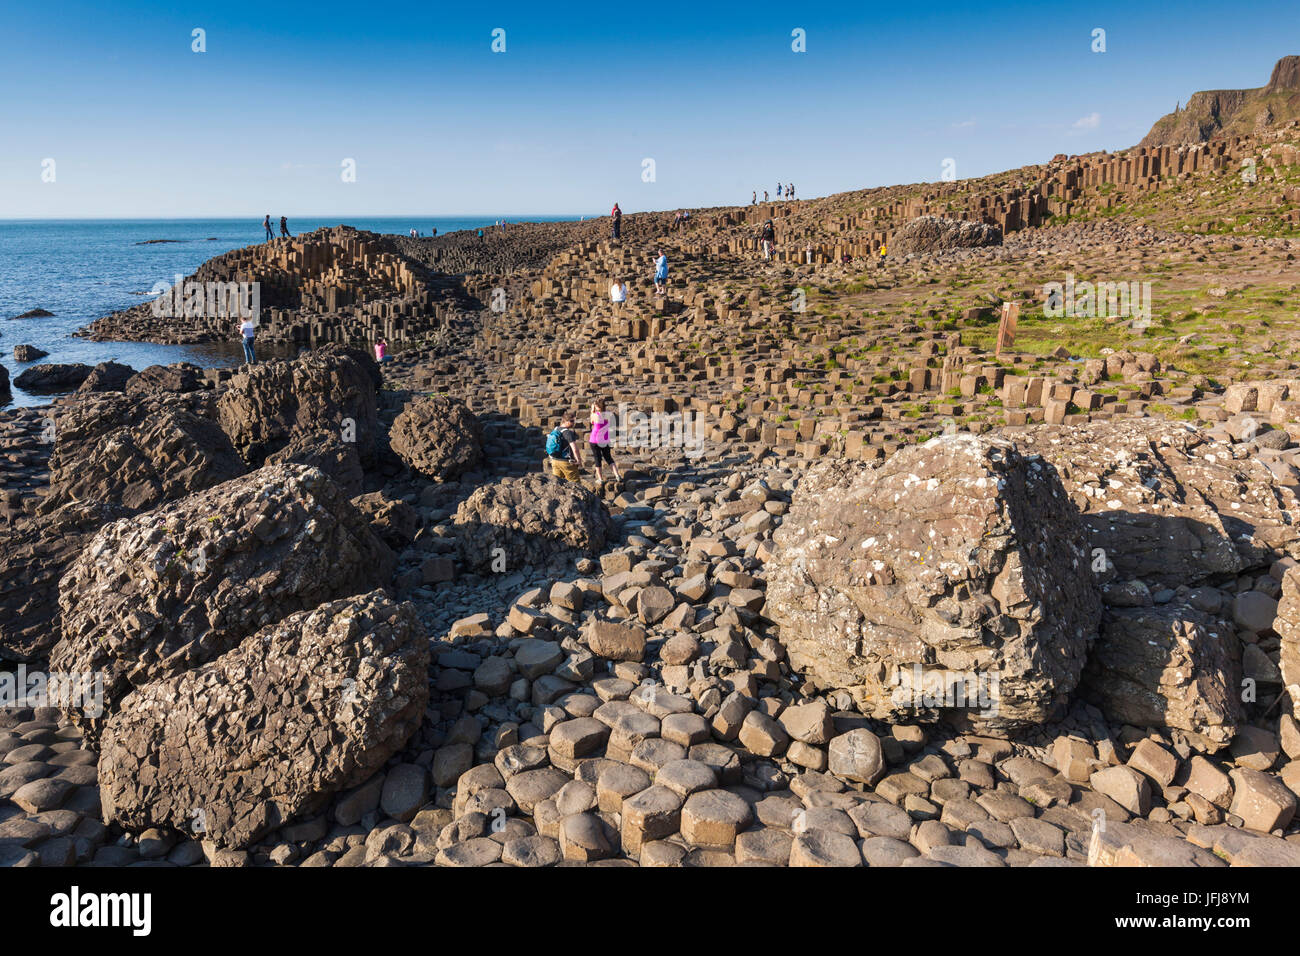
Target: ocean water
{"points": [[84, 269]]}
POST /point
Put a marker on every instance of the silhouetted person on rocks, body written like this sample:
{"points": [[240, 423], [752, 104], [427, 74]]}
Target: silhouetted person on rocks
{"points": [[246, 330], [266, 224], [661, 273], [284, 227], [562, 449], [753, 199], [617, 215]]}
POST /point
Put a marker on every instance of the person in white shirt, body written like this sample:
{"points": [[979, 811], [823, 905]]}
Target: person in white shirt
{"points": [[246, 329], [618, 294]]}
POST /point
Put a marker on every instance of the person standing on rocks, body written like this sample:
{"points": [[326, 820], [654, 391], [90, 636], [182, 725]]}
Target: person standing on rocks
{"points": [[768, 235], [618, 294], [881, 260], [246, 330], [599, 440], [617, 215], [266, 224], [661, 274], [753, 200], [562, 449], [381, 351], [284, 227]]}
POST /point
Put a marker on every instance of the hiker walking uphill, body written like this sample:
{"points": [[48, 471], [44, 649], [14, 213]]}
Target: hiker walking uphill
{"points": [[562, 450], [617, 215], [266, 224], [599, 440], [661, 273], [768, 237]]}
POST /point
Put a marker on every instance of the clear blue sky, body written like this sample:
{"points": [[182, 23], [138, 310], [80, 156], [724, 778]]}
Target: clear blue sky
{"points": [[140, 126]]}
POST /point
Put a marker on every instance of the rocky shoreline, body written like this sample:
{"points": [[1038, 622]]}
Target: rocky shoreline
{"points": [[340, 614]]}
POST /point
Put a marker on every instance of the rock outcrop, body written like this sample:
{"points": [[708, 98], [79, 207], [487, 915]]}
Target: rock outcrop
{"points": [[927, 234], [303, 708], [107, 377], [526, 522], [957, 559], [52, 378], [173, 588], [268, 405], [28, 353], [328, 452], [1167, 504], [1168, 666], [438, 437], [1214, 113]]}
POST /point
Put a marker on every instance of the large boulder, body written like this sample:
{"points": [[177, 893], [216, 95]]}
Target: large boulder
{"points": [[927, 234], [328, 452], [957, 568], [137, 452], [35, 554], [28, 353], [526, 522], [1166, 503], [107, 377], [438, 437], [171, 589], [265, 407], [305, 707], [52, 378], [1287, 625], [1168, 666], [178, 377]]}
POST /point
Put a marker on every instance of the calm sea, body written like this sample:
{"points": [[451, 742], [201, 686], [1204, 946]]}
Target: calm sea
{"points": [[83, 269]]}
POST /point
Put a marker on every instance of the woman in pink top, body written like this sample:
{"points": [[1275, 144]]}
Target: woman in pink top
{"points": [[381, 351], [599, 440]]}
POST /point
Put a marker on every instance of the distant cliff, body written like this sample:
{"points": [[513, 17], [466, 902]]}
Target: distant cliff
{"points": [[1232, 112]]}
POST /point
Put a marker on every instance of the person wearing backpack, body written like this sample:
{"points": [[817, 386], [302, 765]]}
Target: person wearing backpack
{"points": [[562, 450], [599, 440]]}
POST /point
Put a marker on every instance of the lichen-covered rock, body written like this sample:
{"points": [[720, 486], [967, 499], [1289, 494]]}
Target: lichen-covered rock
{"points": [[303, 708], [957, 567], [935, 234], [137, 452], [1166, 503], [173, 588], [265, 407], [328, 452], [531, 520], [1168, 666], [438, 437]]}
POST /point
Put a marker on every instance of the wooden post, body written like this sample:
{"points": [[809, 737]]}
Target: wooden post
{"points": [[1007, 327]]}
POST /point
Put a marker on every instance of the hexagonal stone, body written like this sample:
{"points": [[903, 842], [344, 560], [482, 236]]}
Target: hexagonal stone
{"points": [[450, 762], [536, 658], [722, 759], [580, 737], [519, 757], [762, 735], [1156, 762], [650, 815], [19, 775], [1263, 802], [766, 847], [877, 819], [661, 853], [494, 676], [533, 786], [825, 818], [479, 851], [654, 752], [685, 777], [406, 787], [618, 782], [886, 851], [614, 641], [40, 795], [972, 854], [1130, 789], [531, 851], [857, 756], [1005, 806], [810, 723], [575, 797], [653, 604], [684, 729], [585, 837], [714, 817], [1039, 836], [824, 848]]}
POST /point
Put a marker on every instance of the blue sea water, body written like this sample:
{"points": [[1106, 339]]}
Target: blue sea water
{"points": [[84, 269]]}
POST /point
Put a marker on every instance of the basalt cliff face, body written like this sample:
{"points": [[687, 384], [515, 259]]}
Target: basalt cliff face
{"points": [[1213, 113]]}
